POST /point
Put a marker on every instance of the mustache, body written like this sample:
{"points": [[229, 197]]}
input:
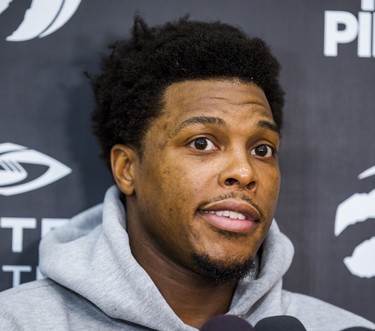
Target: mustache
{"points": [[235, 196]]}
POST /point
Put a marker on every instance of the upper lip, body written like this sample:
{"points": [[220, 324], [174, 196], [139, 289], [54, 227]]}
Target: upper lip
{"points": [[249, 211]]}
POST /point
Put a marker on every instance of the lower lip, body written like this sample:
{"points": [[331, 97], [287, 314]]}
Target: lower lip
{"points": [[229, 224]]}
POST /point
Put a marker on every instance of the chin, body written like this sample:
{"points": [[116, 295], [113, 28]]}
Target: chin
{"points": [[222, 271]]}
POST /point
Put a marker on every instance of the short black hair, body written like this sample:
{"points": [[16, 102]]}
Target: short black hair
{"points": [[129, 90]]}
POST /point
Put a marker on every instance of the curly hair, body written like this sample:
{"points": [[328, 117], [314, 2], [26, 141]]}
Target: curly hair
{"points": [[129, 90]]}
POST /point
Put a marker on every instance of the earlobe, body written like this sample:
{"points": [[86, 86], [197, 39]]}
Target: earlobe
{"points": [[123, 159]]}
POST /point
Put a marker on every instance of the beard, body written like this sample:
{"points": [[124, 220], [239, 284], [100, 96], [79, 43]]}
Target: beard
{"points": [[222, 272]]}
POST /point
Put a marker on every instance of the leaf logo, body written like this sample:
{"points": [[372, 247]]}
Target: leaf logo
{"points": [[13, 174], [358, 208], [42, 18]]}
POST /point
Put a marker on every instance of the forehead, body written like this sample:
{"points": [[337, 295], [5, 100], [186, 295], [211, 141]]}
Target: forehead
{"points": [[214, 96]]}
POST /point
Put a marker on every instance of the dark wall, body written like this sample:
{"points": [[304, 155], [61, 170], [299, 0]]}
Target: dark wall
{"points": [[49, 164]]}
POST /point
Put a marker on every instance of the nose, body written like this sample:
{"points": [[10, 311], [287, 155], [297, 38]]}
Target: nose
{"points": [[238, 171]]}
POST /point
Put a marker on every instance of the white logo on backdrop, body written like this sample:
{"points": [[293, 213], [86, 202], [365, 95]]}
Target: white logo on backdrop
{"points": [[358, 208], [341, 27], [13, 174], [42, 18]]}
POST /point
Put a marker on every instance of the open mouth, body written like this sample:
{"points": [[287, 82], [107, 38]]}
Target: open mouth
{"points": [[229, 215], [226, 213]]}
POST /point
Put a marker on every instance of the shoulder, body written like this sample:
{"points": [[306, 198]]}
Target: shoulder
{"points": [[34, 292], [38, 303], [37, 295], [45, 305], [21, 301], [27, 290], [319, 315]]}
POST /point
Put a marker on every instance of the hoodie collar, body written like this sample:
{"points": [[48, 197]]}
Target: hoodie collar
{"points": [[90, 255]]}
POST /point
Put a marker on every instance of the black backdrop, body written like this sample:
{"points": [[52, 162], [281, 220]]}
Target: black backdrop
{"points": [[49, 164]]}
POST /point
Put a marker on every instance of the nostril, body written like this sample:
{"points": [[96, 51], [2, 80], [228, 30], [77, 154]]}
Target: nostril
{"points": [[230, 181], [250, 185]]}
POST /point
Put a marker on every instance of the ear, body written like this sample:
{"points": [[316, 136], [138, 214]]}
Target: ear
{"points": [[123, 163]]}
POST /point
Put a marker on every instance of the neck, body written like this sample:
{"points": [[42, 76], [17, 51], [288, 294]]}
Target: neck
{"points": [[193, 298]]}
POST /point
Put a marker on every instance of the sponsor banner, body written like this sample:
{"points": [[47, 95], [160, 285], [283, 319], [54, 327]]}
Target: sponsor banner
{"points": [[42, 18], [359, 207], [13, 176], [343, 27]]}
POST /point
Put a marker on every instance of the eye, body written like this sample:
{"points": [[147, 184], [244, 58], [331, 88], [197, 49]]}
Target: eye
{"points": [[263, 151], [203, 144]]}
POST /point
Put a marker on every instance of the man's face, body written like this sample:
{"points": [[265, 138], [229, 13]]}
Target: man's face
{"points": [[208, 179]]}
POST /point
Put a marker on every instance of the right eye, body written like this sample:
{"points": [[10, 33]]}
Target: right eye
{"points": [[203, 144]]}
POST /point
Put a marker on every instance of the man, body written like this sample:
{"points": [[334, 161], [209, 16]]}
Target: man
{"points": [[189, 117]]}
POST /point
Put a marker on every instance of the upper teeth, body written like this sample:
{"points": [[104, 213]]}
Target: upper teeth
{"points": [[227, 213]]}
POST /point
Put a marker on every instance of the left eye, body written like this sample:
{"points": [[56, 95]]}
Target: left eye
{"points": [[262, 151], [203, 144]]}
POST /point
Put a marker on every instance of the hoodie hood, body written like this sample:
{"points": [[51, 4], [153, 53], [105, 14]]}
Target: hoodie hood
{"points": [[90, 255]]}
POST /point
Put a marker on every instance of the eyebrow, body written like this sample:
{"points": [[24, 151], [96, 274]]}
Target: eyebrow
{"points": [[200, 120], [220, 122], [269, 125]]}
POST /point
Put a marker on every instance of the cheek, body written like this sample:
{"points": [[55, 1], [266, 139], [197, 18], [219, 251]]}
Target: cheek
{"points": [[181, 190], [168, 188], [184, 178], [274, 182], [168, 204], [270, 187]]}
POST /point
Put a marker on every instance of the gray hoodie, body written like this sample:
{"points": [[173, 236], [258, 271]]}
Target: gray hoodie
{"points": [[94, 283]]}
